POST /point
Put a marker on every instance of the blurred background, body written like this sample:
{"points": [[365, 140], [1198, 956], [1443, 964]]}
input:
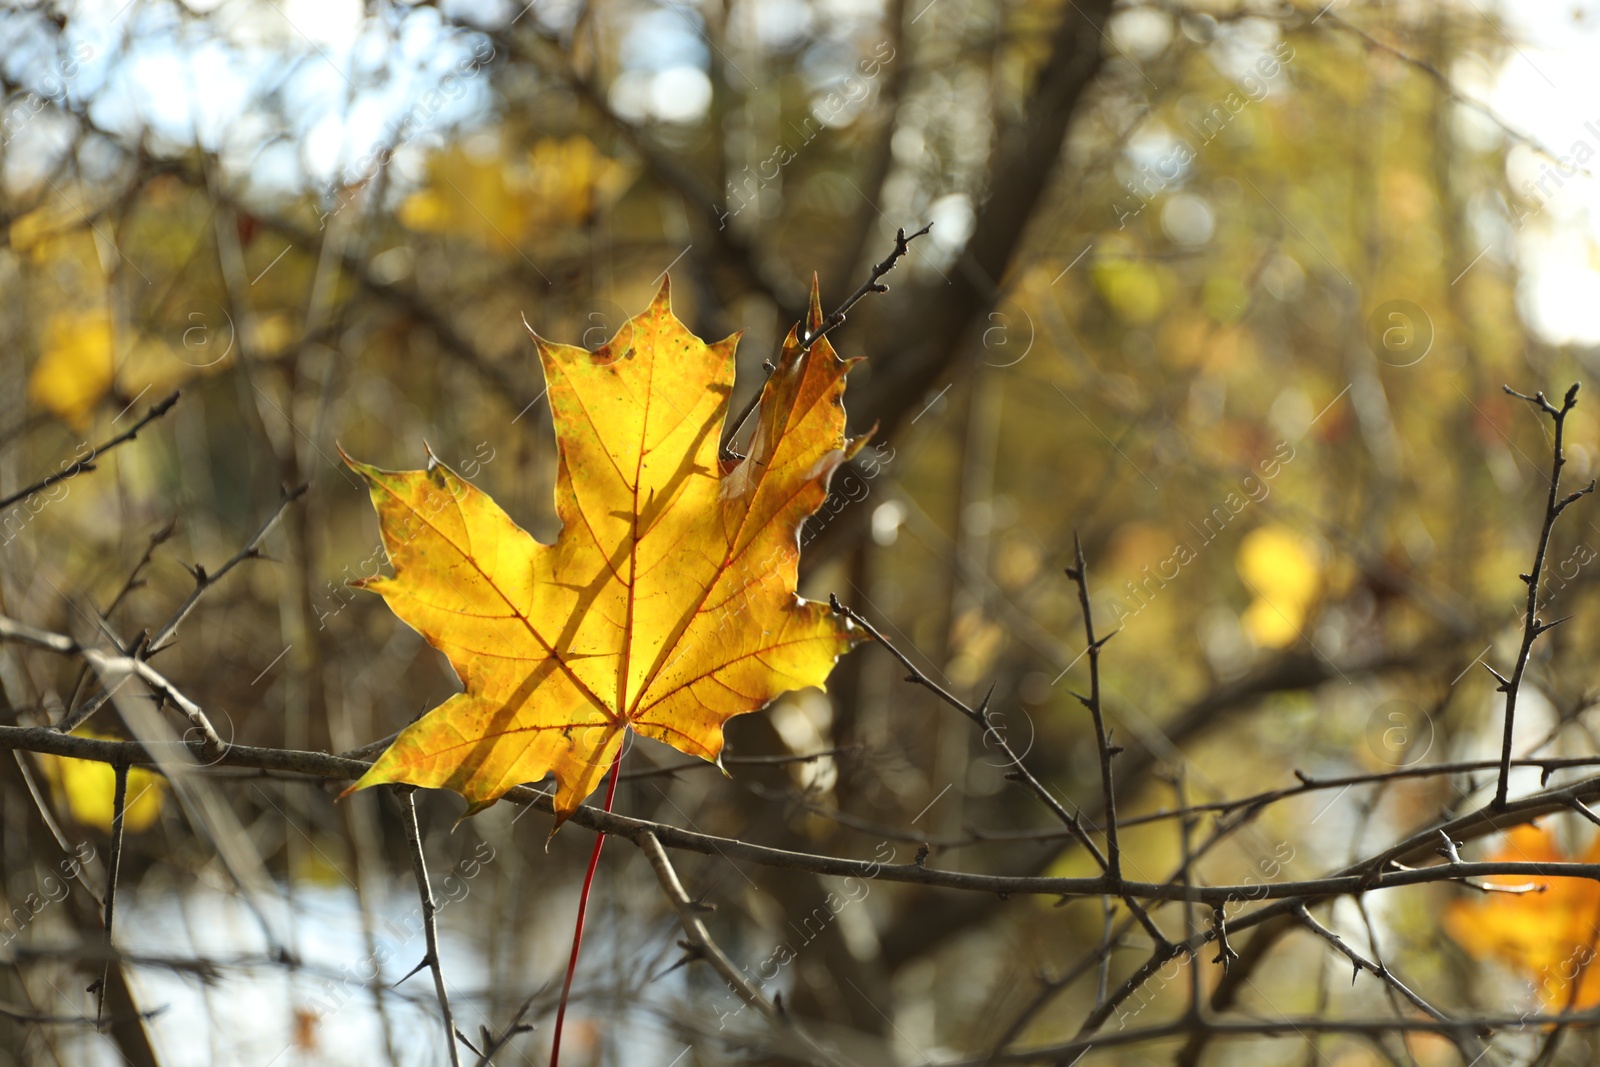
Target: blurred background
{"points": [[1228, 289]]}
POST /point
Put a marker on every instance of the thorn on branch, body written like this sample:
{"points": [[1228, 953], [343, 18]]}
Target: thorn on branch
{"points": [[421, 965], [1546, 627]]}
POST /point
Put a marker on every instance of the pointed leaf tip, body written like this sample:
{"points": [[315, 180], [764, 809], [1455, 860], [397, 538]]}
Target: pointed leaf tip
{"points": [[814, 319]]}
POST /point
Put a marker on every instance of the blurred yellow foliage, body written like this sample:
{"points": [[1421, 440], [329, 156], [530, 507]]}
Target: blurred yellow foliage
{"points": [[1284, 572], [34, 231], [565, 181], [88, 790], [1134, 290], [1549, 936], [75, 368]]}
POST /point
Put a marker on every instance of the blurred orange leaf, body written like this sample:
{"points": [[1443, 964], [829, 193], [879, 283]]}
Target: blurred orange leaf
{"points": [[1550, 936], [666, 605]]}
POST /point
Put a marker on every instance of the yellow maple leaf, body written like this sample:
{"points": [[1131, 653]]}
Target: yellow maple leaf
{"points": [[88, 788], [1550, 936], [666, 605], [75, 369]]}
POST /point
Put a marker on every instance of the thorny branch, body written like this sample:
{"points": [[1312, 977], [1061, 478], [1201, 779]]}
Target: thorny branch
{"points": [[1469, 1049], [1356, 879], [701, 945], [147, 646], [1411, 862], [430, 926], [115, 669], [1079, 573], [86, 464], [119, 811], [1533, 626], [1019, 771]]}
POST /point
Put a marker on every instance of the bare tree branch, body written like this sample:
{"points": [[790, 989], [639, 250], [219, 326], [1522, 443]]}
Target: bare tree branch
{"points": [[430, 926]]}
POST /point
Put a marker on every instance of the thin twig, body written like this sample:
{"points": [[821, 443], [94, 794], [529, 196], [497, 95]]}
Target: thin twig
{"points": [[23, 1015], [146, 647], [1532, 627], [86, 464], [514, 1028], [1162, 955], [1050, 987], [133, 582], [704, 947], [1019, 772], [1252, 804], [430, 928], [1079, 573], [1469, 1049], [1065, 1053], [204, 581], [113, 670], [745, 761], [873, 284], [119, 810], [1186, 852]]}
